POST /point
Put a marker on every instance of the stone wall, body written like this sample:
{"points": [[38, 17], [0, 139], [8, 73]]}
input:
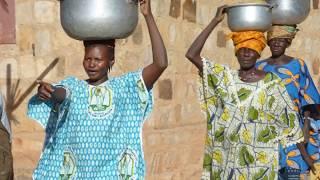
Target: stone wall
{"points": [[174, 134]]}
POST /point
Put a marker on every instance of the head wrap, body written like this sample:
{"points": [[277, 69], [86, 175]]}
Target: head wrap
{"points": [[254, 40], [282, 31]]}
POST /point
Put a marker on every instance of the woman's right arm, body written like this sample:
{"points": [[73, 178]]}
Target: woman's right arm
{"points": [[193, 53], [48, 92]]}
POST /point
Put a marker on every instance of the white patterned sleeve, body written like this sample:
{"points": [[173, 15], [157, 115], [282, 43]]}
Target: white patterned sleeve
{"points": [[210, 85], [144, 97]]}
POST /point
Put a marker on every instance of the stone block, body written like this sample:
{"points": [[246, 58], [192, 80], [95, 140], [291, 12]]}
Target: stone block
{"points": [[26, 153], [167, 157], [22, 142], [175, 8], [163, 162], [177, 112], [315, 4], [316, 66], [24, 13], [8, 50], [190, 10], [186, 88], [308, 45], [164, 118], [172, 32], [24, 163], [189, 33], [147, 57], [26, 64], [44, 11], [161, 176], [192, 113], [43, 42], [25, 39], [62, 42], [203, 14], [61, 67], [129, 60], [137, 36], [161, 8], [221, 39], [165, 89], [192, 172]]}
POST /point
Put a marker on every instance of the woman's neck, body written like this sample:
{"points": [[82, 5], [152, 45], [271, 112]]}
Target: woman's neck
{"points": [[97, 82], [280, 60], [251, 75], [248, 71]]}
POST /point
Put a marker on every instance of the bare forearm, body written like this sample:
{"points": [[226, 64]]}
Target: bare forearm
{"points": [[159, 51], [306, 157], [306, 126], [193, 54], [152, 72], [302, 150]]}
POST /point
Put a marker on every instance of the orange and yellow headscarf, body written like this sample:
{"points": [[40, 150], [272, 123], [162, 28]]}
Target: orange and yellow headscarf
{"points": [[254, 40]]}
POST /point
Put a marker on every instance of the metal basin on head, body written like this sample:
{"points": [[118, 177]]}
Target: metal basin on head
{"points": [[289, 12], [98, 19], [249, 17]]}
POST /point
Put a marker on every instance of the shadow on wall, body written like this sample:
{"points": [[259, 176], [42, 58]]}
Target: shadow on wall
{"points": [[14, 96], [4, 5]]}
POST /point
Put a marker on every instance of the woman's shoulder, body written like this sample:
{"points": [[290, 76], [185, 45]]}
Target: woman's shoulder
{"points": [[126, 81], [71, 80], [262, 64], [287, 62], [72, 83], [296, 61], [301, 63], [128, 76], [262, 61], [214, 66], [296, 65]]}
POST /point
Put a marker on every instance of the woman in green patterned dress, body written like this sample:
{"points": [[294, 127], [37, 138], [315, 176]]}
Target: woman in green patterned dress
{"points": [[249, 112]]}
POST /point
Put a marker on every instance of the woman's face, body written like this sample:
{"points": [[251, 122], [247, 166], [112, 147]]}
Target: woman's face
{"points": [[98, 59], [247, 58], [278, 46]]}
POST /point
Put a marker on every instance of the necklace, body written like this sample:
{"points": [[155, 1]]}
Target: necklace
{"points": [[245, 76]]}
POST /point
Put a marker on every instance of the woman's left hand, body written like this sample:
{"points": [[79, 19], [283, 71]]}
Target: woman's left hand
{"points": [[310, 163], [145, 7], [306, 130], [221, 11]]}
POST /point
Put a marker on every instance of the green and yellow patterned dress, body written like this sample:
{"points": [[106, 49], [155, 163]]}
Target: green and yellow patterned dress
{"points": [[245, 124]]}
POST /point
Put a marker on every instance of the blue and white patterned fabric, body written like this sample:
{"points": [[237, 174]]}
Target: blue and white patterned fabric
{"points": [[96, 132]]}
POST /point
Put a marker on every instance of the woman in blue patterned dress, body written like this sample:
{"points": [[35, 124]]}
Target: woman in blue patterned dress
{"points": [[295, 75], [93, 127]]}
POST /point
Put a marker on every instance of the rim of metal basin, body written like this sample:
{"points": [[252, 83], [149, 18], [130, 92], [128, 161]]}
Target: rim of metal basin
{"points": [[250, 4]]}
